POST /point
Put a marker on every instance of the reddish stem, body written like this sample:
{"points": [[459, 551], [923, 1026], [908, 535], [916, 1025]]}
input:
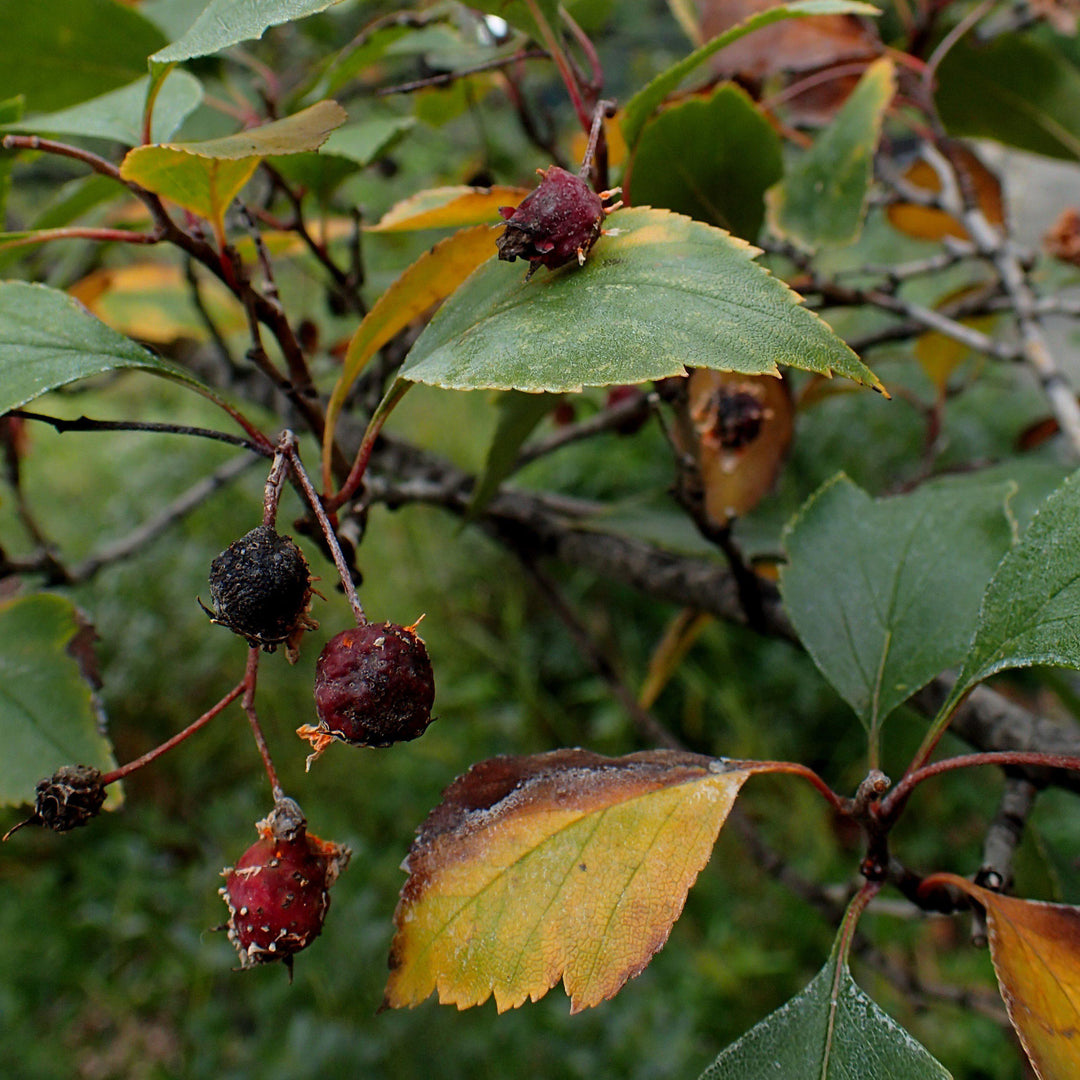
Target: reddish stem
{"points": [[837, 802], [551, 43], [80, 232], [152, 755], [248, 704]]}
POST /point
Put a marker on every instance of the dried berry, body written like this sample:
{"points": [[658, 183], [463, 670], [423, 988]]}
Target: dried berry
{"points": [[261, 588], [373, 686], [279, 891], [560, 220], [69, 798]]}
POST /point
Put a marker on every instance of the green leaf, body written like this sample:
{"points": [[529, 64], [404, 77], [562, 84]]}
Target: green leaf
{"points": [[516, 13], [518, 416], [711, 160], [884, 593], [1031, 610], [1015, 90], [10, 110], [228, 22], [829, 1031], [822, 200], [370, 139], [646, 101], [47, 340], [65, 51], [49, 715], [664, 294], [118, 114]]}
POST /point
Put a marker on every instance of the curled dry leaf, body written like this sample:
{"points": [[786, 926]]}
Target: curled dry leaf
{"points": [[737, 430], [1063, 238], [560, 865]]}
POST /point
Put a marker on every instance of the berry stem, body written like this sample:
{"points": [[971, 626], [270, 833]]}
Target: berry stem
{"points": [[179, 737], [551, 43], [275, 481], [603, 109], [289, 448], [248, 704]]}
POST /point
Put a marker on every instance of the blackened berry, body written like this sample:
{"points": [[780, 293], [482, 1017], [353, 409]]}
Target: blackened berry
{"points": [[260, 587], [557, 222], [279, 891], [373, 687]]}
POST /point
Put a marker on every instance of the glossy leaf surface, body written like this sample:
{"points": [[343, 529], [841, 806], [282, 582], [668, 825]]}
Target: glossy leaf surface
{"points": [[884, 593], [48, 713], [664, 294], [822, 198], [561, 865], [830, 1031]]}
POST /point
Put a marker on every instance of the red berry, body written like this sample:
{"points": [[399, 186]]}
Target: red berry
{"points": [[557, 222], [261, 588], [279, 891], [373, 687]]}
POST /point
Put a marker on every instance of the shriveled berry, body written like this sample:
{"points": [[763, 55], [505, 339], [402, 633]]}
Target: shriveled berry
{"points": [[69, 798], [279, 891], [261, 588], [560, 220], [373, 687]]}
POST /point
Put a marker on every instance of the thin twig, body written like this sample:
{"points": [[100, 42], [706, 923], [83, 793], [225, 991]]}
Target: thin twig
{"points": [[85, 423], [443, 78]]}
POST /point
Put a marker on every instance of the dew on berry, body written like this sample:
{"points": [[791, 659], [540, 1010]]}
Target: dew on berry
{"points": [[373, 687]]}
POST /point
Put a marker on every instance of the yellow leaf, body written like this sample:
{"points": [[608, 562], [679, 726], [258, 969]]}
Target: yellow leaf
{"points": [[679, 636], [1035, 947], [446, 207], [433, 277], [562, 865]]}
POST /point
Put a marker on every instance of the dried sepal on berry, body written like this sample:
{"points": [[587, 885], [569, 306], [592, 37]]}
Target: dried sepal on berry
{"points": [[374, 686], [279, 891], [261, 589], [69, 798], [554, 224]]}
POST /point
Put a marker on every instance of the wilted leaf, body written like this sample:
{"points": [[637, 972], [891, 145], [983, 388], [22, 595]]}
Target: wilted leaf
{"points": [[440, 208], [67, 51], [902, 580], [433, 277], [1031, 609], [1035, 947], [664, 294], [228, 22], [1012, 89], [930, 223], [152, 302], [47, 340], [118, 115], [565, 864], [822, 200], [48, 713], [678, 638], [645, 102], [737, 429], [710, 159], [830, 1031]]}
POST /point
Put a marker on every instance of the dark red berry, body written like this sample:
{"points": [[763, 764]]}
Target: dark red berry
{"points": [[69, 798], [739, 415], [279, 891], [557, 222], [261, 588], [373, 687]]}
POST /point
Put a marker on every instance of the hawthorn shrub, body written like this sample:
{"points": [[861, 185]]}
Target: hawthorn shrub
{"points": [[571, 572]]}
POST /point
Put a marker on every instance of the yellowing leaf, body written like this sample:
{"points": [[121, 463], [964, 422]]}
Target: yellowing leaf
{"points": [[433, 277], [445, 207], [566, 864], [1035, 947], [204, 177], [205, 186], [152, 302]]}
